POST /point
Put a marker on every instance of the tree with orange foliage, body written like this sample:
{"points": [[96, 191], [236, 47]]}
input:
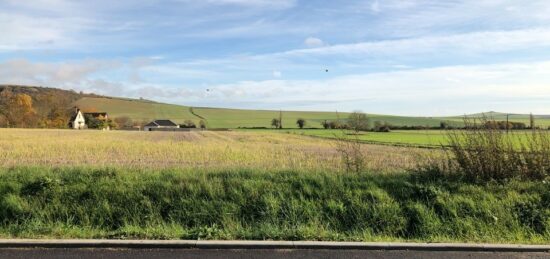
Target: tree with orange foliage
{"points": [[17, 109]]}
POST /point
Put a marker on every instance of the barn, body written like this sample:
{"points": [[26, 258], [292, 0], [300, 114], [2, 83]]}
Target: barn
{"points": [[160, 124]]}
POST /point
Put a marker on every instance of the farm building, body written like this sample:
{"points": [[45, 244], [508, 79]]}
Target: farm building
{"points": [[160, 124]]}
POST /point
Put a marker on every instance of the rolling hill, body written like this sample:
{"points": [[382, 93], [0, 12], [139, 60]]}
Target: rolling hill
{"points": [[228, 118], [137, 110], [145, 110]]}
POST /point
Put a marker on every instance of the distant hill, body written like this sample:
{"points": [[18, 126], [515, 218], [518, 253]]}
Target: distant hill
{"points": [[145, 110], [540, 120]]}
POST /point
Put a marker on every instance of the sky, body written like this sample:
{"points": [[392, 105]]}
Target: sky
{"points": [[416, 57]]}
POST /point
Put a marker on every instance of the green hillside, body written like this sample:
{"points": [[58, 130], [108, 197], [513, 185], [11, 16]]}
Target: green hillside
{"points": [[234, 118], [138, 110], [143, 110]]}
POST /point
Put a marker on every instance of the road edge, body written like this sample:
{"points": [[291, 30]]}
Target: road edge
{"points": [[212, 244]]}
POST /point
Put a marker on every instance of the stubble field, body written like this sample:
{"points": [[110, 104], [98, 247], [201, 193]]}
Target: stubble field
{"points": [[203, 150]]}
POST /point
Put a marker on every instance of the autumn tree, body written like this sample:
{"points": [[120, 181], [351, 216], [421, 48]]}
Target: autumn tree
{"points": [[17, 109], [57, 113], [3, 121], [124, 122]]}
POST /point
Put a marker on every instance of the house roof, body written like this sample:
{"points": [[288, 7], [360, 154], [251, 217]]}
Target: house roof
{"points": [[73, 117], [165, 123]]}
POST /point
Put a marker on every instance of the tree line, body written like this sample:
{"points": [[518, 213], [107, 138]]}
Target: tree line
{"points": [[359, 121]]}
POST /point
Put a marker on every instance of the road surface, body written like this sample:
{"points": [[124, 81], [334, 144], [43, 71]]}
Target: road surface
{"points": [[85, 253]]}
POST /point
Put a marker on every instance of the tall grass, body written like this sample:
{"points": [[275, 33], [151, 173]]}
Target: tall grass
{"points": [[484, 153], [279, 205]]}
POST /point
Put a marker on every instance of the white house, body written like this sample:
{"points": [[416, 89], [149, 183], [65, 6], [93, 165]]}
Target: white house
{"points": [[77, 121]]}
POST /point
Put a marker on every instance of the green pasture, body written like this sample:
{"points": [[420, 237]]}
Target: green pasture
{"points": [[427, 138]]}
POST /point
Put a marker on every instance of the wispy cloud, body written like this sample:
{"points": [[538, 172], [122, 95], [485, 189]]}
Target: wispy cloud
{"points": [[275, 54]]}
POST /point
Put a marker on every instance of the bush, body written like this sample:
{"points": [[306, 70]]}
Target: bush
{"points": [[188, 124], [301, 123], [381, 127], [488, 153]]}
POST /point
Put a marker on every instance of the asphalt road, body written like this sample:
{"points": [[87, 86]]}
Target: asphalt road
{"points": [[84, 253]]}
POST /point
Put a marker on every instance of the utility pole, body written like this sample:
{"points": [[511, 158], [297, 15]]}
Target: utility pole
{"points": [[532, 121], [280, 119], [507, 121]]}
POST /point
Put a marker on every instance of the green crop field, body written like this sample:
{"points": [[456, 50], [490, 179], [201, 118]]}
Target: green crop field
{"points": [[406, 137], [419, 138]]}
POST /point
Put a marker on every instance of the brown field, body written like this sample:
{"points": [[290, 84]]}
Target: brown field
{"points": [[189, 150]]}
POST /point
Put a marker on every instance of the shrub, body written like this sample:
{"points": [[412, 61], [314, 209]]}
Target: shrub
{"points": [[188, 124], [487, 153], [301, 122], [381, 127]]}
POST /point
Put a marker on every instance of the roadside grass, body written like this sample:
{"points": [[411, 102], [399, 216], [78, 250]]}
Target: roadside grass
{"points": [[86, 202]]}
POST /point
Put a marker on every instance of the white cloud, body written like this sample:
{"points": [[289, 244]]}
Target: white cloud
{"points": [[412, 92], [257, 3], [375, 6], [475, 42], [313, 42], [277, 73], [451, 90], [254, 4]]}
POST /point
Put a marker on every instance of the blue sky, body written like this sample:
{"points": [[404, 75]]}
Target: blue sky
{"points": [[416, 57]]}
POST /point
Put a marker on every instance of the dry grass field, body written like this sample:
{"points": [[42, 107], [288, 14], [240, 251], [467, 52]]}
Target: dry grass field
{"points": [[188, 150]]}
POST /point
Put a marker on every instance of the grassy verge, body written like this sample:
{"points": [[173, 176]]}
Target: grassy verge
{"points": [[168, 204]]}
